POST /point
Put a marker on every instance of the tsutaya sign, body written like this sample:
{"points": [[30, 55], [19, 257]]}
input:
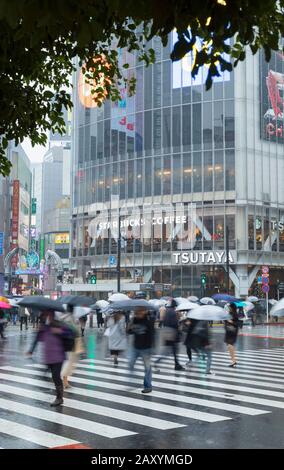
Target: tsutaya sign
{"points": [[202, 257]]}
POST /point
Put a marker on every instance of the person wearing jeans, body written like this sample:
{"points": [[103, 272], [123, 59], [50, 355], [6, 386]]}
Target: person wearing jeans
{"points": [[142, 328]]}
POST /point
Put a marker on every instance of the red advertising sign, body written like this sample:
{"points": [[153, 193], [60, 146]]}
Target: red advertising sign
{"points": [[15, 217]]}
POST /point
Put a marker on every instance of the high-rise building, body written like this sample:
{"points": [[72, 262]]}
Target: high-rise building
{"points": [[191, 175]]}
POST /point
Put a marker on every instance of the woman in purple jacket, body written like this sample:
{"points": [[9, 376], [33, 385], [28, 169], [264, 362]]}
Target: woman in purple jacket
{"points": [[51, 334]]}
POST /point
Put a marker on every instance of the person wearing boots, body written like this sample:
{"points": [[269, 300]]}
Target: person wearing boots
{"points": [[51, 334]]}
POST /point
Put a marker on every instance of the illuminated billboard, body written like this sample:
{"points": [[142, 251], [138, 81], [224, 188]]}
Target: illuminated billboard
{"points": [[61, 238], [272, 97], [181, 69]]}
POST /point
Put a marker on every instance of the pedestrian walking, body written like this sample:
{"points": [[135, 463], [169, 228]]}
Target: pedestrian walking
{"points": [[188, 327], [23, 314], [83, 322], [200, 341], [100, 319], [52, 334], [142, 328], [14, 315], [231, 333], [73, 356], [3, 321], [117, 339], [34, 316], [170, 335]]}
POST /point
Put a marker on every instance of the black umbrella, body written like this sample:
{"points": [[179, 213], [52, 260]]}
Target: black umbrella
{"points": [[41, 303], [130, 304], [78, 300]]}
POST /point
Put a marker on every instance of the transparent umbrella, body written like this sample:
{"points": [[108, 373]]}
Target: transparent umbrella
{"points": [[117, 297], [207, 301], [185, 306], [192, 298], [278, 309], [208, 312]]}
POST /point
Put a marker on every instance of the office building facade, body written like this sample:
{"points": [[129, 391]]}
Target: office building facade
{"points": [[192, 176]]}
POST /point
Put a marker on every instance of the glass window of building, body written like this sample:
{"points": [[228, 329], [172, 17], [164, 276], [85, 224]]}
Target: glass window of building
{"points": [[167, 85], [148, 176], [229, 124], [196, 126], [122, 181], [148, 132], [230, 169], [258, 231], [100, 149], [167, 175], [167, 130], [138, 131], [177, 177], [197, 172], [157, 70], [207, 231], [218, 235], [139, 178], [107, 138], [218, 124], [251, 236], [157, 131], [207, 125], [208, 171], [157, 176], [219, 171], [186, 127], [130, 177], [187, 173], [176, 126], [148, 102]]}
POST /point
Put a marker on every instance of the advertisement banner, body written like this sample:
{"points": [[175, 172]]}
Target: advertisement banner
{"points": [[272, 97], [15, 219]]}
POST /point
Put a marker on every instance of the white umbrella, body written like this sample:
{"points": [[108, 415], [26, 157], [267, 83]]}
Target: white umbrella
{"points": [[278, 309], [252, 298], [248, 306], [186, 305], [14, 302], [79, 312], [180, 300], [192, 298], [101, 303], [158, 302], [272, 301], [208, 312], [207, 301], [117, 297]]}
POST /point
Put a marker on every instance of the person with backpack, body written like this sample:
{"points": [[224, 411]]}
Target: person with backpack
{"points": [[57, 338]]}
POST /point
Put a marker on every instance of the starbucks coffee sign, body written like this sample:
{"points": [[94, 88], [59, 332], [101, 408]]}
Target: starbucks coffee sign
{"points": [[202, 257]]}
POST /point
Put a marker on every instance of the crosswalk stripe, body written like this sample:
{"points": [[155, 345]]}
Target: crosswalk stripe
{"points": [[264, 358], [142, 403], [71, 421], [184, 412], [205, 383], [96, 409], [192, 374], [35, 435], [187, 389], [194, 368]]}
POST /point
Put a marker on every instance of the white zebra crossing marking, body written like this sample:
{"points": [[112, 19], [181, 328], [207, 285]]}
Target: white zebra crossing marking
{"points": [[141, 403], [96, 409], [35, 435], [71, 421]]}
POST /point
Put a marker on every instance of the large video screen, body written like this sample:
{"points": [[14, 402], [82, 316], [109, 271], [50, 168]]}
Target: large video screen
{"points": [[272, 97], [182, 68]]}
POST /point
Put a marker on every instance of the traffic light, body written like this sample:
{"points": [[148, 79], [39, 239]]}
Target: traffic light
{"points": [[93, 279], [203, 279]]}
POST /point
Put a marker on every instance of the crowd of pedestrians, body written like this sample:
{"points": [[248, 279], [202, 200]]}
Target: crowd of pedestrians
{"points": [[137, 334]]}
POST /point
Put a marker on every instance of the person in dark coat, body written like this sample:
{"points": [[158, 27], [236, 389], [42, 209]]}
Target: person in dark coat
{"points": [[200, 341], [142, 328], [51, 334], [23, 313], [231, 333], [188, 327], [100, 319], [170, 335]]}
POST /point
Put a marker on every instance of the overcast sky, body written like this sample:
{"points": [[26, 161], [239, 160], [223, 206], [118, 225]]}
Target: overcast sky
{"points": [[36, 153]]}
